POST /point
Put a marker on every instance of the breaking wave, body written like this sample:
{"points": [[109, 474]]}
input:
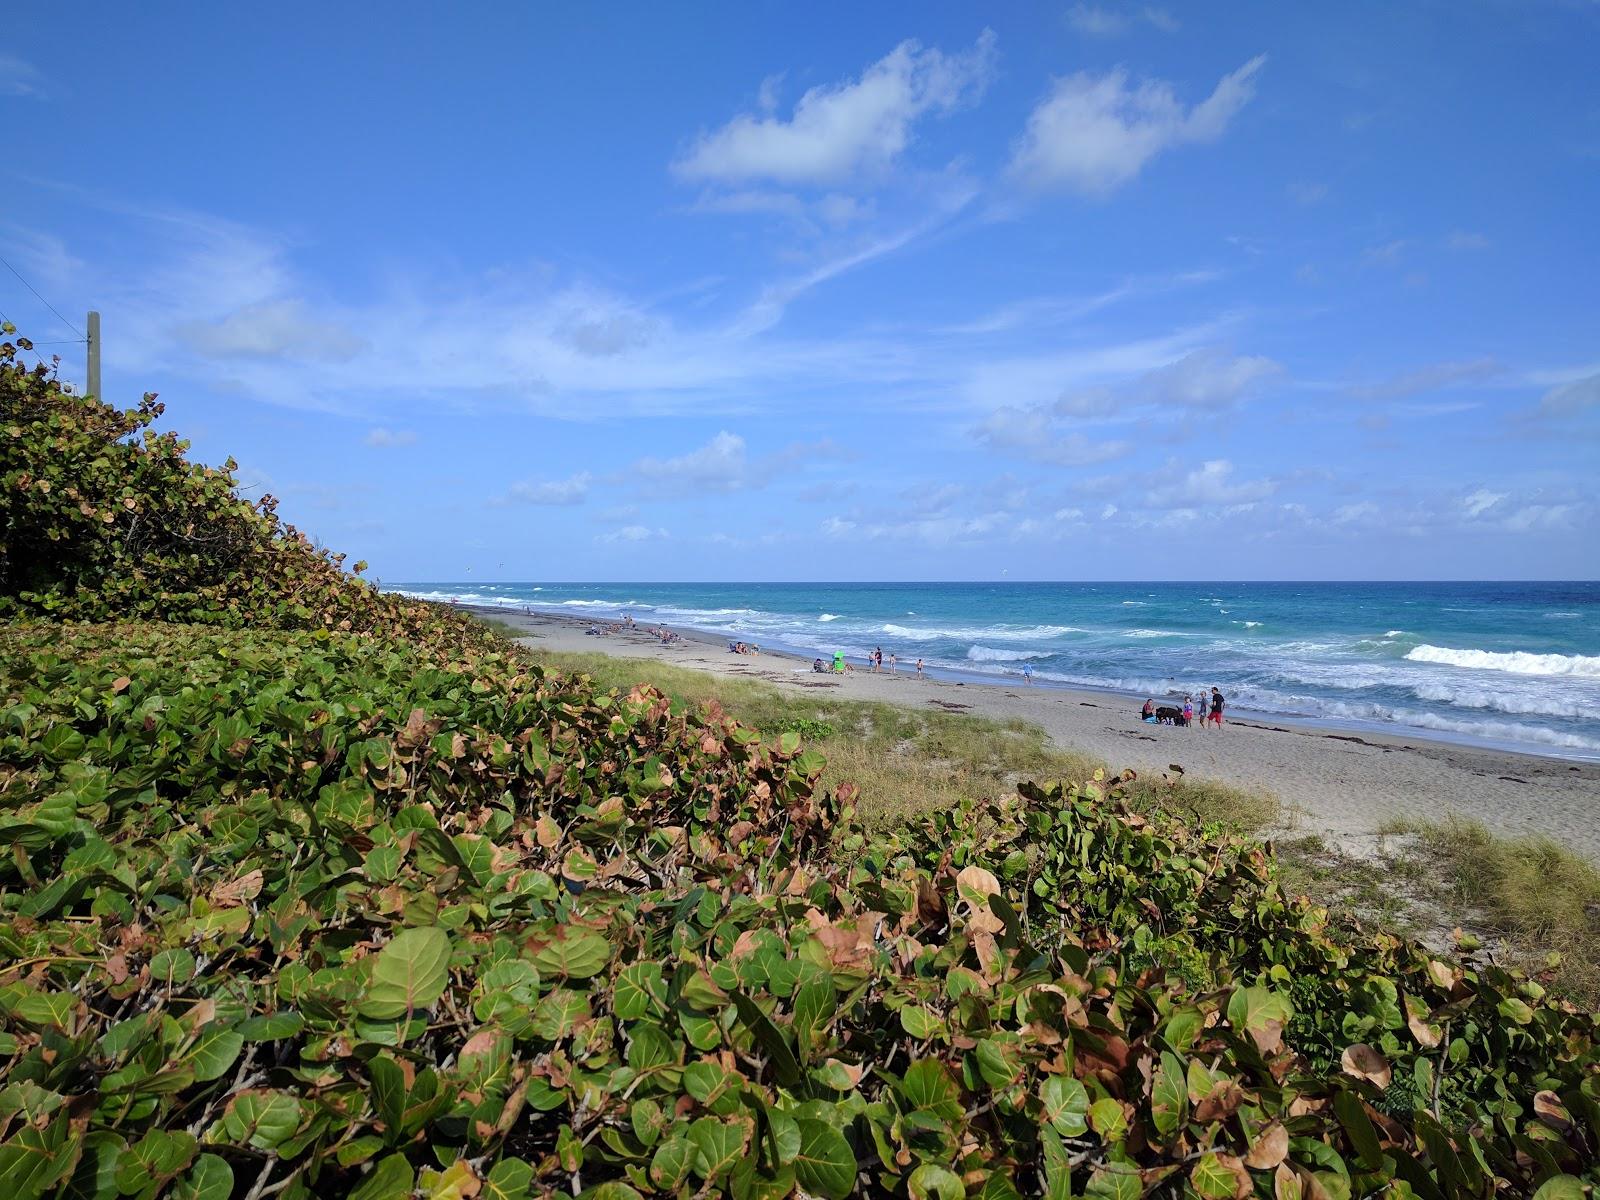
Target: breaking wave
{"points": [[1516, 662]]}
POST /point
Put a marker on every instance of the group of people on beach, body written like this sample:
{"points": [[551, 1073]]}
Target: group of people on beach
{"points": [[661, 633], [843, 666], [1169, 714], [743, 648]]}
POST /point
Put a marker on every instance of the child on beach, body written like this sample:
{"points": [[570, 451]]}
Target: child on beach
{"points": [[894, 659], [1027, 673], [1188, 711]]}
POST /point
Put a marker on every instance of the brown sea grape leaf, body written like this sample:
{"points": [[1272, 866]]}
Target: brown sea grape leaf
{"points": [[1363, 1062]]}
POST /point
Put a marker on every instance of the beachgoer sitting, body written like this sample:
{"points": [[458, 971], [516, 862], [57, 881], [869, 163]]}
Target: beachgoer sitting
{"points": [[816, 666], [1148, 713], [591, 632], [733, 647]]}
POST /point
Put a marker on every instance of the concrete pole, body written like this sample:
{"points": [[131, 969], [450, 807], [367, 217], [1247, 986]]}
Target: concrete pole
{"points": [[94, 355]]}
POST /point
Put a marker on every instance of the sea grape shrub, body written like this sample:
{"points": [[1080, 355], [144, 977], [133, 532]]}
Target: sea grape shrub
{"points": [[101, 517], [311, 915]]}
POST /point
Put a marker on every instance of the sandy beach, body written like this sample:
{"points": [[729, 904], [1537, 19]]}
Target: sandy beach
{"points": [[1342, 785]]}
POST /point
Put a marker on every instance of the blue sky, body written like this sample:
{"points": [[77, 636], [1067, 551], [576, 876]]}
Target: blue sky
{"points": [[847, 292]]}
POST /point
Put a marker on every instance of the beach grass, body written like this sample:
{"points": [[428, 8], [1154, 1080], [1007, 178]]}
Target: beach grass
{"points": [[1537, 897]]}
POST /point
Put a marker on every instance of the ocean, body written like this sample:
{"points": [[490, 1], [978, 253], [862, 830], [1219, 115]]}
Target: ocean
{"points": [[1511, 665]]}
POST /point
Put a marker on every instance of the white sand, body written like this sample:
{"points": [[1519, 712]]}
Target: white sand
{"points": [[1341, 785]]}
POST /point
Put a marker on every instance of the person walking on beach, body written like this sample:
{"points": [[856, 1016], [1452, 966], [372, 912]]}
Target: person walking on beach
{"points": [[877, 659], [1027, 673], [894, 660], [1216, 708], [919, 668]]}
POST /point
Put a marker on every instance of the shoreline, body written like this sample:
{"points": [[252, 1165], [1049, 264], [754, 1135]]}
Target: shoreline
{"points": [[1335, 782]]}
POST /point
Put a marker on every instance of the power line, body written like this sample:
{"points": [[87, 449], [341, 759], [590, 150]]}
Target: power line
{"points": [[43, 301]]}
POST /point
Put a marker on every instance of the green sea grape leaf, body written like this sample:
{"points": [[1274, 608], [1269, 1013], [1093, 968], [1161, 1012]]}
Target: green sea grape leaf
{"points": [[410, 973], [209, 1178], [639, 990], [575, 952], [259, 1118], [1169, 1094], [670, 1164], [825, 1165], [718, 1146], [392, 1178], [1560, 1187], [213, 1052], [1066, 1105], [933, 1182], [34, 1160], [509, 1180]]}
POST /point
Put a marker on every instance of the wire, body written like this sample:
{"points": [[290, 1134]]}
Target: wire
{"points": [[44, 302]]}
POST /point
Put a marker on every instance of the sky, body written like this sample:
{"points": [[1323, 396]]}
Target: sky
{"points": [[891, 291]]}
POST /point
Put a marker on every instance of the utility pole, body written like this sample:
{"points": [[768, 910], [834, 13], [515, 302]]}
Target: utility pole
{"points": [[94, 355]]}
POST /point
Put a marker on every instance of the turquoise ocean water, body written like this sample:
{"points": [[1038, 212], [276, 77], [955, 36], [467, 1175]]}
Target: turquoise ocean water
{"points": [[1515, 665]]}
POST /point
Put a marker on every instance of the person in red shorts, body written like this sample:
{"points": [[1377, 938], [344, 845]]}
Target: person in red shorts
{"points": [[1216, 708]]}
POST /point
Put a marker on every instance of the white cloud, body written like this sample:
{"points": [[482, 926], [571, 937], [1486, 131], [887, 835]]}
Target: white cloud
{"points": [[1093, 134], [272, 329], [1481, 501], [1205, 379], [573, 490], [1462, 239], [932, 531], [721, 465], [382, 438], [1209, 485], [633, 533], [1031, 433], [837, 132]]}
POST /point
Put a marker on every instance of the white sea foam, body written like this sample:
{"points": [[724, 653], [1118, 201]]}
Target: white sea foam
{"points": [[1395, 633], [828, 617], [1561, 616], [991, 654], [1004, 633], [1150, 633], [1516, 662], [1249, 624]]}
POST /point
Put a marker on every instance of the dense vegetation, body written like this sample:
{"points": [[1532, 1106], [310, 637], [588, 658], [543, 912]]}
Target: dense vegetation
{"points": [[340, 896]]}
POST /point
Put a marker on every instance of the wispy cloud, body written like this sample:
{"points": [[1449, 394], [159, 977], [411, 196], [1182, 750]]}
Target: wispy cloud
{"points": [[382, 438], [1102, 21], [1430, 378], [20, 78]]}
